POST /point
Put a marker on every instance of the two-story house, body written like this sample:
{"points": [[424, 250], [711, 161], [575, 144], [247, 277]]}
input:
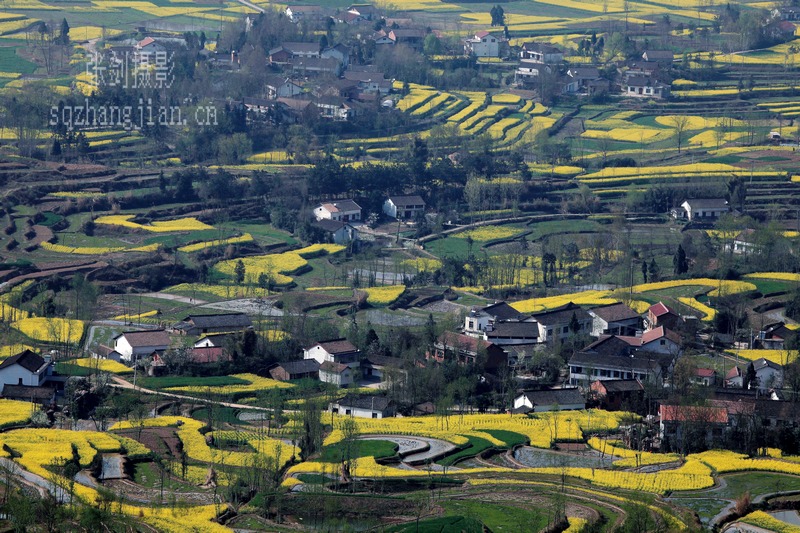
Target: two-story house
{"points": [[466, 350], [483, 44], [404, 207], [132, 345], [614, 319], [554, 324], [335, 351]]}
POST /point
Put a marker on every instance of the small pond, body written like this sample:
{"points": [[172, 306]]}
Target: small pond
{"points": [[790, 517], [541, 458]]}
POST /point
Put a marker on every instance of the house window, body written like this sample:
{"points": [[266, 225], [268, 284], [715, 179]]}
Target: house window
{"points": [[565, 329], [471, 325], [374, 415], [348, 412], [662, 342]]}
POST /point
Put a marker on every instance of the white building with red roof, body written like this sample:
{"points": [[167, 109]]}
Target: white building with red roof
{"points": [[345, 210]]}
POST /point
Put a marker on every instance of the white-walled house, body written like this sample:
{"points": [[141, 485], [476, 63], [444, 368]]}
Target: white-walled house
{"points": [[404, 207], [340, 210], [132, 345], [337, 374], [25, 368], [539, 401], [705, 209], [334, 351], [364, 406], [482, 44]]}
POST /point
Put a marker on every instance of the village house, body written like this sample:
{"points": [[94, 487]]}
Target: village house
{"points": [[281, 87], [335, 351], [133, 345], [769, 375], [216, 340], [27, 369], [644, 87], [371, 406], [677, 422], [544, 54], [335, 108], [481, 319], [617, 357], [290, 370], [661, 340], [411, 37], [337, 374], [315, 66], [774, 336], [298, 13], [705, 209], [336, 232], [216, 323], [369, 81], [367, 11], [555, 323], [707, 377], [466, 350], [578, 78], [617, 394], [339, 52], [734, 378], [540, 401], [383, 368], [661, 315], [746, 242], [662, 57], [482, 44], [404, 207], [614, 319]]}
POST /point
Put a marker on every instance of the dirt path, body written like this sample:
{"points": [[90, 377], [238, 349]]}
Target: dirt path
{"points": [[174, 298], [124, 384]]}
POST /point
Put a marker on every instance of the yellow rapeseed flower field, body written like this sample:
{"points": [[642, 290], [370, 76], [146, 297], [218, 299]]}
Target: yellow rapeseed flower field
{"points": [[103, 365], [51, 329], [781, 357], [488, 233], [218, 242], [384, 295], [275, 265], [703, 308], [163, 226], [256, 384]]}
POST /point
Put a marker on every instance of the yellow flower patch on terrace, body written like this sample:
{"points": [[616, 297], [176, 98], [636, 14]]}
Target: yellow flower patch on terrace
{"points": [[423, 264], [533, 305], [559, 170], [222, 291], [164, 226], [576, 524], [275, 265], [707, 311], [256, 383], [384, 295], [767, 522], [488, 233], [720, 286], [103, 365], [681, 170], [51, 329], [317, 249], [94, 250], [218, 242], [629, 134], [136, 317], [13, 412], [780, 357], [630, 458], [506, 98], [776, 276]]}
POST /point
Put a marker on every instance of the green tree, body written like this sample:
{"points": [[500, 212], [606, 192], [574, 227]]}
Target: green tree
{"points": [[654, 271], [680, 265], [239, 271]]}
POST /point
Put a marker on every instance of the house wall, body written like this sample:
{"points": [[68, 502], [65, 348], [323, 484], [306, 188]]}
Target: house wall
{"points": [[662, 346], [124, 348], [16, 375], [344, 379], [559, 407], [318, 353], [522, 401], [361, 413]]}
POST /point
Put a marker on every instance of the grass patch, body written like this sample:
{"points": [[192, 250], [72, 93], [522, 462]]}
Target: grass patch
{"points": [[500, 517], [226, 415], [444, 524], [475, 446], [509, 437], [768, 286], [148, 474], [11, 62], [361, 448], [68, 369], [188, 381]]}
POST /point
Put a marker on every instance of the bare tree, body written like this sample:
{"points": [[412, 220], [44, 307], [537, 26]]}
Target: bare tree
{"points": [[681, 124]]}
